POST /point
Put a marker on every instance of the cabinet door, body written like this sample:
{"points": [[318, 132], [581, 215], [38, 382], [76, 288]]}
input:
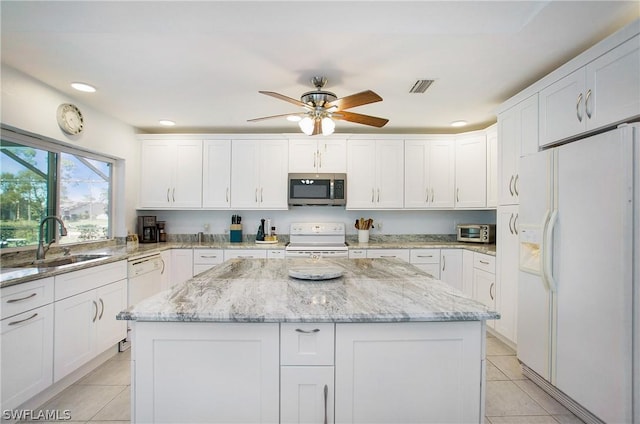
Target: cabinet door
{"points": [[416, 174], [451, 267], [484, 290], [181, 266], [361, 167], [561, 108], [613, 86], [471, 171], [165, 274], [492, 167], [27, 355], [303, 155], [389, 174], [245, 254], [306, 394], [74, 332], [409, 372], [467, 272], [332, 156], [187, 181], [216, 174], [507, 268], [156, 170], [431, 269], [441, 165], [273, 164], [509, 131], [244, 174], [403, 254], [111, 300]]}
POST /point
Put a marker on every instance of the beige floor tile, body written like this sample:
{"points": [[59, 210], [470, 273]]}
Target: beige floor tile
{"points": [[496, 347], [122, 356], [509, 365], [84, 401], [111, 373], [493, 373], [549, 404], [119, 409], [504, 398], [530, 419]]}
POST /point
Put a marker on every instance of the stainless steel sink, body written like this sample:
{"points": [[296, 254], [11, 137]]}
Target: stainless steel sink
{"points": [[63, 260]]}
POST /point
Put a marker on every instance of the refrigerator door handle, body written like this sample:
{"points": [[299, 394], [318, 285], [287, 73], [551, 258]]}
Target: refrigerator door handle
{"points": [[547, 252]]}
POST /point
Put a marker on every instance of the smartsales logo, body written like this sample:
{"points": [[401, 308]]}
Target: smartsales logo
{"points": [[31, 415]]}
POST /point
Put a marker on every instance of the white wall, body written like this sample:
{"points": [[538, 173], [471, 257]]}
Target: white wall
{"points": [[393, 222], [29, 105]]}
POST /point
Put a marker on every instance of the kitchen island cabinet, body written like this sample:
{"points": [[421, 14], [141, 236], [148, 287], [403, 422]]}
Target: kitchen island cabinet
{"points": [[226, 326]]}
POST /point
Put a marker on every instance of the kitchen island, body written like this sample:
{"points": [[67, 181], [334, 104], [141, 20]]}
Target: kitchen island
{"points": [[245, 342]]}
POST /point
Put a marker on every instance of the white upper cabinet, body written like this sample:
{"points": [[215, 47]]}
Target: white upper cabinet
{"points": [[171, 174], [216, 174], [376, 174], [603, 92], [471, 170], [517, 136], [429, 173], [259, 171], [492, 166], [318, 155]]}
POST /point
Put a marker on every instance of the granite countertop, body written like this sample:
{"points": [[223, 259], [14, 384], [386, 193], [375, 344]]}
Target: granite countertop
{"points": [[260, 290], [11, 275]]}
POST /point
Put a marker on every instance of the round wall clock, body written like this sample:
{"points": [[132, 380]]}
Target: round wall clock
{"points": [[70, 119]]}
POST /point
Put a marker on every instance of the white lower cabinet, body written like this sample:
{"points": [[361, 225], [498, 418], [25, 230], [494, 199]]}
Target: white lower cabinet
{"points": [[403, 254], [451, 267], [357, 253], [205, 259], [86, 325], [245, 254], [419, 372], [507, 269], [275, 254], [27, 354], [467, 272], [427, 260], [484, 282], [181, 266]]}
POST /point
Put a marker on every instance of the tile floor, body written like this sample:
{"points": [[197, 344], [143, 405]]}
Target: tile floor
{"points": [[103, 396]]}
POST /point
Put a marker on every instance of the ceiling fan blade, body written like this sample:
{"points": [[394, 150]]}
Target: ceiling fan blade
{"points": [[276, 116], [285, 98], [358, 99], [358, 118]]}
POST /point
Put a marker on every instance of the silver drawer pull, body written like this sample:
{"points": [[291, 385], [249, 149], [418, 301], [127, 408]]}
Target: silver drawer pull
{"points": [[326, 396], [23, 320], [208, 256], [484, 262], [245, 256], [22, 298], [300, 330], [388, 256], [425, 256]]}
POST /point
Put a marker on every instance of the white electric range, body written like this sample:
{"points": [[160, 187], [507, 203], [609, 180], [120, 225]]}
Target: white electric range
{"points": [[316, 240]]}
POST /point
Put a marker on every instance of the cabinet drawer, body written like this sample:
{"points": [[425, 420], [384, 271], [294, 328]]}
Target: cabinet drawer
{"points": [[23, 297], [245, 254], [275, 253], [357, 253], [389, 254], [484, 262], [87, 279], [306, 343], [208, 256], [425, 256]]}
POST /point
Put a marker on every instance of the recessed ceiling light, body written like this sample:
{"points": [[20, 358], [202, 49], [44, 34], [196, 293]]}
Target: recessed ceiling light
{"points": [[458, 123], [293, 118], [81, 86], [166, 123]]}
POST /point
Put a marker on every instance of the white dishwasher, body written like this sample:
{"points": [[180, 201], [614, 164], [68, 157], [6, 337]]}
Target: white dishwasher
{"points": [[145, 273]]}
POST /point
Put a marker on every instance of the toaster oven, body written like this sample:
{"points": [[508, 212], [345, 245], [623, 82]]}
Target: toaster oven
{"points": [[477, 233]]}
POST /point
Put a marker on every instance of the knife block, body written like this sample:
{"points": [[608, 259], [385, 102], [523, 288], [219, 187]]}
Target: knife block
{"points": [[235, 233]]}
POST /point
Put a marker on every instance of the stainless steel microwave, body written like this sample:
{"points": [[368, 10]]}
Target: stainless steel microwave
{"points": [[317, 189], [477, 233]]}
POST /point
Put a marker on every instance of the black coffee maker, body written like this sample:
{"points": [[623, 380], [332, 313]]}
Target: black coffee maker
{"points": [[147, 229]]}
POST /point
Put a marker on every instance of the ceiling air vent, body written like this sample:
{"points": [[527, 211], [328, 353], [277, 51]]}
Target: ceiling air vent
{"points": [[421, 86]]}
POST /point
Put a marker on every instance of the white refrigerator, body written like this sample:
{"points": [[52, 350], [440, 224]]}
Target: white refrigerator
{"points": [[579, 294]]}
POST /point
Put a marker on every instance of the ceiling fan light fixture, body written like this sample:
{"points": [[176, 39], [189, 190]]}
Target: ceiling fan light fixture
{"points": [[306, 125], [81, 86], [328, 126], [458, 123]]}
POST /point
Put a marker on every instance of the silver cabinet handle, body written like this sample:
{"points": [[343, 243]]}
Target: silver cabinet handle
{"points": [[457, 194], [378, 195], [261, 193], [484, 262], [444, 262], [326, 395], [23, 320], [245, 256], [510, 222], [515, 185], [319, 160], [163, 266], [426, 191], [173, 194], [425, 256], [511, 185], [373, 193], [515, 228], [256, 195], [101, 308], [227, 196], [208, 256], [493, 285], [314, 158], [388, 256], [95, 316], [432, 196], [578, 114], [586, 104], [168, 191], [300, 330], [22, 298]]}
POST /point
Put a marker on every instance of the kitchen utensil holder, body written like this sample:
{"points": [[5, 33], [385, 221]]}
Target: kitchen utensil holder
{"points": [[235, 233], [363, 236]]}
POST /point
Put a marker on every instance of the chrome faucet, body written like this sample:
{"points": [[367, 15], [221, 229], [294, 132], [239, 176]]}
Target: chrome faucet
{"points": [[40, 253]]}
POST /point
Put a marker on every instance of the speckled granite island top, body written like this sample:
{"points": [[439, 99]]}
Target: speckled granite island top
{"points": [[260, 290]]}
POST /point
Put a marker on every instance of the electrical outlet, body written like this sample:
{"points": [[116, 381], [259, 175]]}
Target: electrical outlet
{"points": [[378, 225], [206, 228]]}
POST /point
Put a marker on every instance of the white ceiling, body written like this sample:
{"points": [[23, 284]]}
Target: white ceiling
{"points": [[202, 63]]}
